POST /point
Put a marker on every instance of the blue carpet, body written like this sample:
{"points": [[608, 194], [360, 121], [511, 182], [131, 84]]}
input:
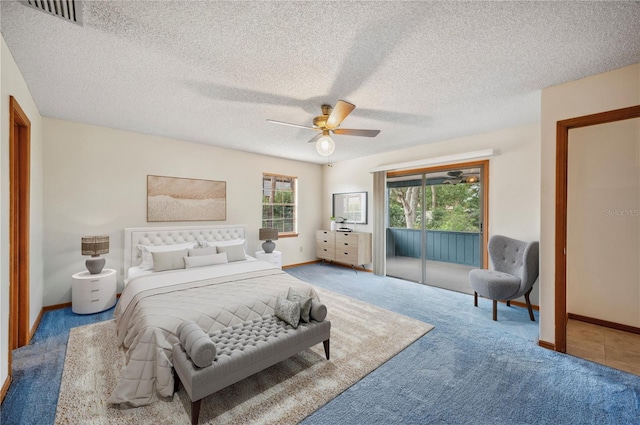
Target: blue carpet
{"points": [[468, 370]]}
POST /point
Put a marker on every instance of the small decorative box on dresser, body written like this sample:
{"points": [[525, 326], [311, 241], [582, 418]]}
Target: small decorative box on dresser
{"points": [[92, 293], [352, 248], [274, 257]]}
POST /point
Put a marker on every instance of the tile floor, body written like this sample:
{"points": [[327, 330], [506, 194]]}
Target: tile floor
{"points": [[610, 347]]}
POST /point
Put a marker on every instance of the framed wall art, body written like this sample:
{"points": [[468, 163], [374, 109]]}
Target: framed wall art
{"points": [[183, 199]]}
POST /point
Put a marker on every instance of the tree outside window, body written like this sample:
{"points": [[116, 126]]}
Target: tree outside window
{"points": [[279, 203]]}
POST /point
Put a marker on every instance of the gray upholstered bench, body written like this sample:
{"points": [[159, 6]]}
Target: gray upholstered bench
{"points": [[243, 350]]}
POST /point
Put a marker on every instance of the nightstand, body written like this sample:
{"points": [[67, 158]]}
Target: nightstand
{"points": [[92, 293], [274, 257]]}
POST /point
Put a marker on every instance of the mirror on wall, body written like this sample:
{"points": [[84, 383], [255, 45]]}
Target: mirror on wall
{"points": [[352, 207]]}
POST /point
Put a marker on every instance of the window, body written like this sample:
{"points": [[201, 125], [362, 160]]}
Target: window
{"points": [[279, 203]]}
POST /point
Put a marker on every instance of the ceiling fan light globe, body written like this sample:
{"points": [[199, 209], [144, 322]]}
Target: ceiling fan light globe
{"points": [[325, 146]]}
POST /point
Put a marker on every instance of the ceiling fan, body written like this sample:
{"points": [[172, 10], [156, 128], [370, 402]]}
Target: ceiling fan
{"points": [[458, 176], [329, 122]]}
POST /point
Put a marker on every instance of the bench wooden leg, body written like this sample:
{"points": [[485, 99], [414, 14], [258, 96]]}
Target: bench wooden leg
{"points": [[195, 411], [326, 348]]}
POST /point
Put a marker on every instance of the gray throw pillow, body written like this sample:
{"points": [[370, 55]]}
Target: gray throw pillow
{"points": [[198, 345], [304, 301], [289, 311], [205, 260], [318, 311], [234, 252], [210, 250], [170, 260]]}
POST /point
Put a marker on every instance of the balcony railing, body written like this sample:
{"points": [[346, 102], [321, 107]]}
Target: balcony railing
{"points": [[450, 247]]}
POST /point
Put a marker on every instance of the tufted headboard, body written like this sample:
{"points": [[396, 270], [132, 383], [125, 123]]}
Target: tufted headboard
{"points": [[134, 236]]}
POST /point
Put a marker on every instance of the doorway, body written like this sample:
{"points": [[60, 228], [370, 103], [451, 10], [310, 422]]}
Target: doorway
{"points": [[19, 195], [611, 209], [436, 221]]}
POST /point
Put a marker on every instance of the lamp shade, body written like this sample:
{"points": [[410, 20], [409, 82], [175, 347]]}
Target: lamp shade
{"points": [[95, 245], [268, 234], [325, 145]]}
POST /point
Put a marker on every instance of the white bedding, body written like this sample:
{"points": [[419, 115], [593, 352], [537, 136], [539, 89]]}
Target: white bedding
{"points": [[137, 271], [152, 306]]}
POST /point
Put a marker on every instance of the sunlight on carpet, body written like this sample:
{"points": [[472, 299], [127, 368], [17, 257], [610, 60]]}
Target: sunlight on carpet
{"points": [[363, 337]]}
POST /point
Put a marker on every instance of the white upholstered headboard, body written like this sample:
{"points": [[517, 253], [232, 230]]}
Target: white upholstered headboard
{"points": [[134, 236]]}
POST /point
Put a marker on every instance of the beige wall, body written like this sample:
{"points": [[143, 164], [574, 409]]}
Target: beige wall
{"points": [[514, 173], [12, 84], [603, 222], [95, 183], [598, 93]]}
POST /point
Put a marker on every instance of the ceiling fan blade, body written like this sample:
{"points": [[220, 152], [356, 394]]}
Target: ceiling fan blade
{"points": [[315, 138], [353, 132], [339, 113], [291, 125]]}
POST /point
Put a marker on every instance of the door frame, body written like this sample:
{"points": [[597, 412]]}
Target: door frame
{"points": [[19, 198], [484, 185], [562, 158]]}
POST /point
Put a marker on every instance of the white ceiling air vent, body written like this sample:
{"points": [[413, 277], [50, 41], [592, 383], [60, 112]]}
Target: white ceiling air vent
{"points": [[69, 10]]}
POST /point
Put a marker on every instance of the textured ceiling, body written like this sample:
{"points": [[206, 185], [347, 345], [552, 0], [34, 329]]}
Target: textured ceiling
{"points": [[214, 72]]}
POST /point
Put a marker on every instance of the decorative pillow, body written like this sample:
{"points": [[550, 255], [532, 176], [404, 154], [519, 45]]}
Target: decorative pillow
{"points": [[234, 252], [198, 345], [210, 250], [289, 311], [318, 311], [223, 243], [205, 260], [146, 250], [303, 300], [168, 260]]}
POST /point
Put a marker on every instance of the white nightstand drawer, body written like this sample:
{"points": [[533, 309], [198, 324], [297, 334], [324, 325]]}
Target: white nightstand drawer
{"points": [[92, 293], [274, 257]]}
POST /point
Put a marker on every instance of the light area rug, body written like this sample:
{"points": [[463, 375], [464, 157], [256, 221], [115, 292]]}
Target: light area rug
{"points": [[363, 337]]}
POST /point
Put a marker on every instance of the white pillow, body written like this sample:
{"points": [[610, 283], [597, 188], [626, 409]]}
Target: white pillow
{"points": [[224, 243], [146, 250], [205, 260]]}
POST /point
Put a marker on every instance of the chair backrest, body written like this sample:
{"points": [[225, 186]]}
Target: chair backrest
{"points": [[515, 257]]}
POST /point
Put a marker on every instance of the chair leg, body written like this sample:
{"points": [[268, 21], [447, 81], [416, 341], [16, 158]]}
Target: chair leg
{"points": [[508, 303], [475, 299], [326, 348], [495, 310], [526, 297]]}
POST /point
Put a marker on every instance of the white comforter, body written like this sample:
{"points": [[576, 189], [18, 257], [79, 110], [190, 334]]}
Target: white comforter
{"points": [[152, 306]]}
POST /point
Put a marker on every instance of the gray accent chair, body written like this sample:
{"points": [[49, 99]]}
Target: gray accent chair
{"points": [[515, 270]]}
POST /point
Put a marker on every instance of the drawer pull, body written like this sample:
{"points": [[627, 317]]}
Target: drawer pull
{"points": [[325, 249], [96, 300], [325, 241], [94, 280], [95, 290], [346, 253], [346, 244]]}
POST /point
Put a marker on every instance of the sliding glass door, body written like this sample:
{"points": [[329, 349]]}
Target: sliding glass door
{"points": [[435, 225]]}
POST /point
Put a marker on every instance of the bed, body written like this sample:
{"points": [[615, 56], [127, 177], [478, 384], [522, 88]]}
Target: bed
{"points": [[154, 303]]}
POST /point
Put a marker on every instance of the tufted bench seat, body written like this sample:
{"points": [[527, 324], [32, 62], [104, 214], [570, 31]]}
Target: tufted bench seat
{"points": [[242, 350]]}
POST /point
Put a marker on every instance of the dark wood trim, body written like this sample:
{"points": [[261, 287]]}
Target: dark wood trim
{"points": [[524, 305], [301, 264], [605, 323], [547, 345], [36, 324], [5, 388], [19, 249], [562, 156], [56, 306]]}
